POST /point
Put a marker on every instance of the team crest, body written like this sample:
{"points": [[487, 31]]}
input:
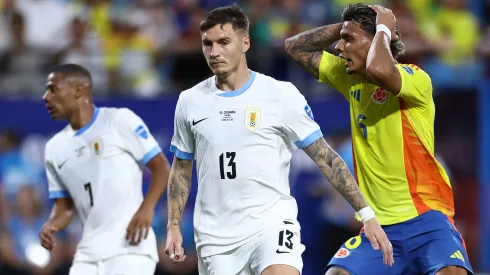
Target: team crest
{"points": [[97, 147], [342, 253], [253, 118], [379, 96]]}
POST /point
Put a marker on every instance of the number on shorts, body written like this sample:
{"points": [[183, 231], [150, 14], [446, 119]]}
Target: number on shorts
{"points": [[289, 235], [353, 242]]}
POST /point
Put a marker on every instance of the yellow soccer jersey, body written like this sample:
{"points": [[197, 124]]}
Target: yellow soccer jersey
{"points": [[393, 142]]}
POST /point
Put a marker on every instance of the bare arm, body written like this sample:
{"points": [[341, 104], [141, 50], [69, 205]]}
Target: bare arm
{"points": [[62, 213], [160, 170], [307, 47], [337, 172], [179, 189], [381, 66]]}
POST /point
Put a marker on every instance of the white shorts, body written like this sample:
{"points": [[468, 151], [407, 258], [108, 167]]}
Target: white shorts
{"points": [[126, 264], [278, 245]]}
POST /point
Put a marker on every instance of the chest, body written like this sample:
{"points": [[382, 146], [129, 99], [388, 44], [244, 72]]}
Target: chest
{"points": [[235, 121]]}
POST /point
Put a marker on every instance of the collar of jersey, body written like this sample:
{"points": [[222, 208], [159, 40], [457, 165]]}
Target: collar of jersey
{"points": [[240, 91], [85, 128]]}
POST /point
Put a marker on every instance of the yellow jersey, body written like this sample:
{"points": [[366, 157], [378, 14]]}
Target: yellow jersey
{"points": [[393, 142]]}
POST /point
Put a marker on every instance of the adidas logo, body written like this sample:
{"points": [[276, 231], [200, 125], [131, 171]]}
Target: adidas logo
{"points": [[458, 255], [356, 94]]}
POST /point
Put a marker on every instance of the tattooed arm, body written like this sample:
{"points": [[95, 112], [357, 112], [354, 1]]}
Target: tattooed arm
{"points": [[307, 47], [337, 172], [179, 187]]}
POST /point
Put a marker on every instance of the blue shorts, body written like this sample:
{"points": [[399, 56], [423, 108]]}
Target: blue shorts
{"points": [[422, 245]]}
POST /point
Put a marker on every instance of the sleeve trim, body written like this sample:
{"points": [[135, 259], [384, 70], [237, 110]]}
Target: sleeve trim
{"points": [[309, 139], [181, 154], [150, 155], [59, 194]]}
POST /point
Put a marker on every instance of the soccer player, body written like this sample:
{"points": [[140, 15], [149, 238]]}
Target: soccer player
{"points": [[94, 168], [392, 120], [241, 127]]}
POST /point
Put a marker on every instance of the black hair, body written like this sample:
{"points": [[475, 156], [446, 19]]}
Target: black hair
{"points": [[225, 15], [366, 17], [75, 70]]}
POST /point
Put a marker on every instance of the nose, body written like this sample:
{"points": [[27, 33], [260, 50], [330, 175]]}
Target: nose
{"points": [[340, 46], [46, 96], [214, 51]]}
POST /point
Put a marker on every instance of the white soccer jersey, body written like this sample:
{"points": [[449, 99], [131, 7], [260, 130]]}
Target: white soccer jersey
{"points": [[100, 168], [242, 141]]}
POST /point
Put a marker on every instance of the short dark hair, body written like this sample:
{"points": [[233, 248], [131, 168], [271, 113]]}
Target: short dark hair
{"points": [[73, 70], [366, 17], [225, 15]]}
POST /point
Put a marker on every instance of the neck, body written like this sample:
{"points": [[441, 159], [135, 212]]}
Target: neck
{"points": [[82, 116], [233, 80]]}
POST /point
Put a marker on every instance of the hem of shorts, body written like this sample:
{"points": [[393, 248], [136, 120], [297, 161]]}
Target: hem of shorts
{"points": [[446, 265], [339, 266], [76, 259], [230, 247]]}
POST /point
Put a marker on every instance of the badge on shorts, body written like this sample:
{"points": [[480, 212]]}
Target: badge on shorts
{"points": [[253, 118]]}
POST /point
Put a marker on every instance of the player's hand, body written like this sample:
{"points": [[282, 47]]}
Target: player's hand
{"points": [[378, 239], [139, 227], [46, 235], [386, 17], [173, 247]]}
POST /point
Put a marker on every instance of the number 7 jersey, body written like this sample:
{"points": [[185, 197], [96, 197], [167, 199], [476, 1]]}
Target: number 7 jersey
{"points": [[100, 168], [242, 141]]}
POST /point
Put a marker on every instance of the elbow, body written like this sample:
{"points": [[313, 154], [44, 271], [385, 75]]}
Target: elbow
{"points": [[288, 45]]}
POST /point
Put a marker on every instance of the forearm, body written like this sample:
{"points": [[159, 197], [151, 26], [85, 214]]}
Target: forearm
{"points": [[307, 47], [179, 189], [158, 183], [62, 213], [337, 172], [380, 64]]}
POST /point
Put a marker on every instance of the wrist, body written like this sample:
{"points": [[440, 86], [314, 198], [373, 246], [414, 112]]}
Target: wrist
{"points": [[366, 214], [383, 28]]}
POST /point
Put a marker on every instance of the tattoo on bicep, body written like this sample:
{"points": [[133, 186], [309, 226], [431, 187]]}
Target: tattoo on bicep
{"points": [[337, 172], [179, 189]]}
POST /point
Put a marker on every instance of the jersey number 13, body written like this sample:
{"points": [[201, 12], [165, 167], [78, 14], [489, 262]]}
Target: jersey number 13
{"points": [[230, 156]]}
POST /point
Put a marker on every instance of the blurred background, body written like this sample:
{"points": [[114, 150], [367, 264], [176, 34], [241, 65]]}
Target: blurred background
{"points": [[143, 53]]}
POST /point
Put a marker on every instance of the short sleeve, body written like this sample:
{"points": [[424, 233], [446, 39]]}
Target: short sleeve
{"points": [[297, 118], [182, 144], [56, 187], [333, 73], [136, 137], [416, 85]]}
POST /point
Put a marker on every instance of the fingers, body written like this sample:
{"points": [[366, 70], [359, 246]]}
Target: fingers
{"points": [[374, 242], [134, 232], [179, 255], [47, 240], [386, 248]]}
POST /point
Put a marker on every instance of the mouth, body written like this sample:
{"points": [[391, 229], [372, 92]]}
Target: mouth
{"points": [[348, 61], [216, 63], [50, 109]]}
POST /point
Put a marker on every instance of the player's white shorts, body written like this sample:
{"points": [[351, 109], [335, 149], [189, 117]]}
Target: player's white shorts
{"points": [[126, 264], [278, 245]]}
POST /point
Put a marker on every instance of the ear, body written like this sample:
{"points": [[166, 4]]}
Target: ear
{"points": [[245, 43], [78, 91]]}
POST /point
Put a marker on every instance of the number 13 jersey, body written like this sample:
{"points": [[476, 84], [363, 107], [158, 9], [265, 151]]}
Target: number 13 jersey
{"points": [[242, 141]]}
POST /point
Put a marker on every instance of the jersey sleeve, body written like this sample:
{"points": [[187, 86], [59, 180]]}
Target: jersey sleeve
{"points": [[333, 73], [182, 144], [136, 137], [56, 187], [416, 85], [297, 119]]}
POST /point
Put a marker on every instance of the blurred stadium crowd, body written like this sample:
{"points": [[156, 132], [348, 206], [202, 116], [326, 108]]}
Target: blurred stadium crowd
{"points": [[147, 49]]}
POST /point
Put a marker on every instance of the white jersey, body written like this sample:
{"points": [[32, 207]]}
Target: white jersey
{"points": [[243, 142], [100, 168]]}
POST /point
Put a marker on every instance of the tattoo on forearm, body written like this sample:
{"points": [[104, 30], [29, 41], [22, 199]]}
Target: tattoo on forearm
{"points": [[307, 48], [337, 172], [179, 189]]}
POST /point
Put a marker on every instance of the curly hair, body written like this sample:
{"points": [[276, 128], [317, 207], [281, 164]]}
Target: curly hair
{"points": [[366, 17]]}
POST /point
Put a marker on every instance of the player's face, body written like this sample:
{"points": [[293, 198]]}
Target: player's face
{"points": [[224, 48], [59, 97], [354, 46]]}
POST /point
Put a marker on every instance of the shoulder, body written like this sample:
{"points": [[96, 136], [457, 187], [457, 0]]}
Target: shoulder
{"points": [[276, 87], [199, 89], [414, 72], [56, 140]]}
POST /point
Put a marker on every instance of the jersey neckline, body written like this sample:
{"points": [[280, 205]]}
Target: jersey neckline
{"points": [[240, 91], [86, 127]]}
